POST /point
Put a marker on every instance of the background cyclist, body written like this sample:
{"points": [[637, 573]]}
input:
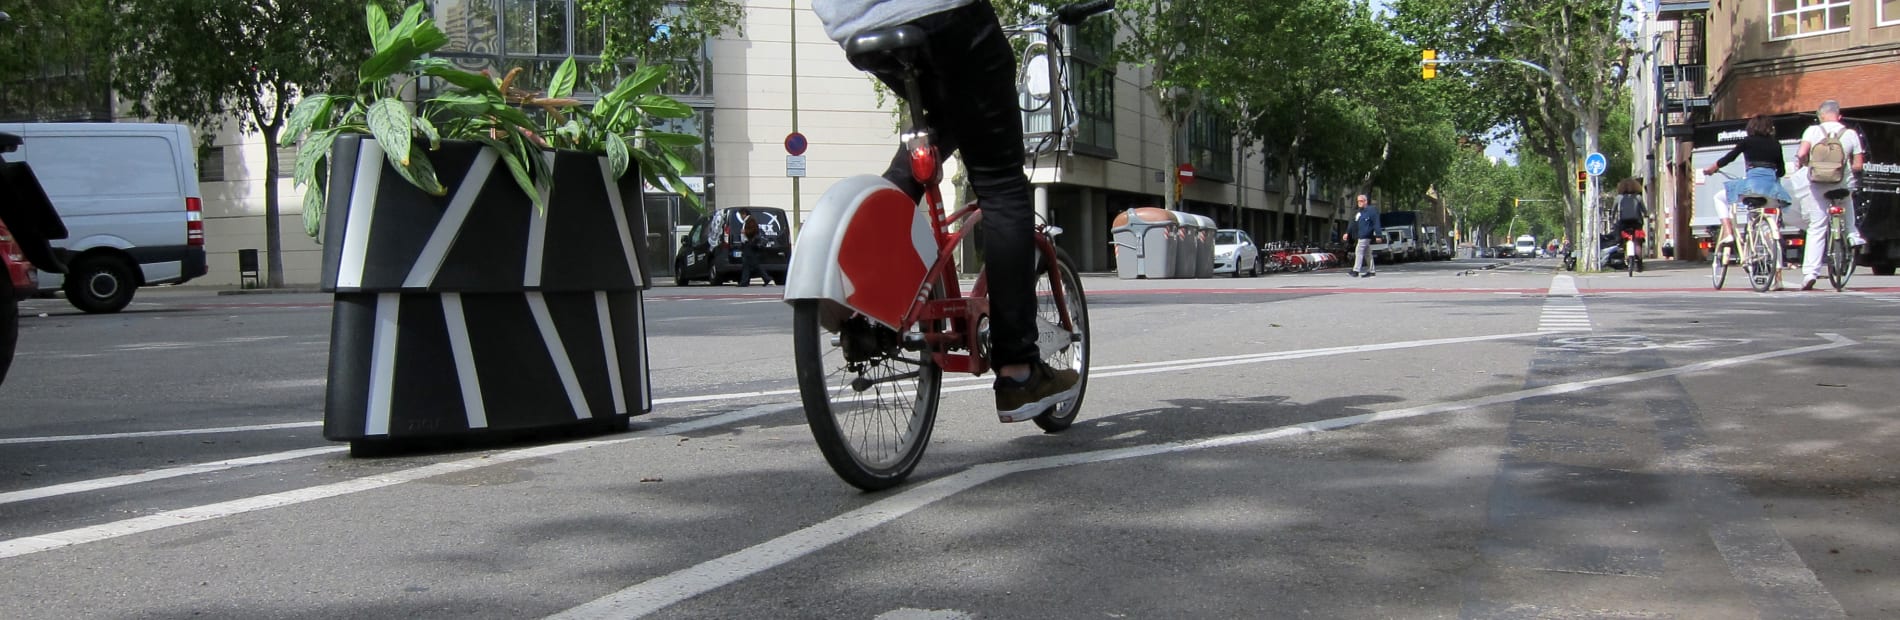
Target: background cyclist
{"points": [[1762, 152], [1631, 214], [969, 104], [1849, 154]]}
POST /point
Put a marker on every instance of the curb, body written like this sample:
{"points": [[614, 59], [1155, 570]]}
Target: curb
{"points": [[271, 291]]}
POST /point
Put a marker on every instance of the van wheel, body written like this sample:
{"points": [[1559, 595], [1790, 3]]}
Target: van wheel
{"points": [[100, 284], [9, 321]]}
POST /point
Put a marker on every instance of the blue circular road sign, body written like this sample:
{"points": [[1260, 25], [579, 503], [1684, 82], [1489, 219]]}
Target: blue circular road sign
{"points": [[1596, 164]]}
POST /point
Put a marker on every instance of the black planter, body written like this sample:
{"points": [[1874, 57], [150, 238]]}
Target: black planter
{"points": [[471, 313]]}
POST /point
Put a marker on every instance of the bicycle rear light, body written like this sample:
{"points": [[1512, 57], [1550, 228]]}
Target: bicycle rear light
{"points": [[923, 164]]}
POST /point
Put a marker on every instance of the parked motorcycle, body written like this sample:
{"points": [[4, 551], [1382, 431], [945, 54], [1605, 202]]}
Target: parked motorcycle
{"points": [[28, 226]]}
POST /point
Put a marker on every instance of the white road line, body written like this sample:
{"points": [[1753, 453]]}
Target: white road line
{"points": [[656, 594], [161, 474], [170, 433], [27, 545]]}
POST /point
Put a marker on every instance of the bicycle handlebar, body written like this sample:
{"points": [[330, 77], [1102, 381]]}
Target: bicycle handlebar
{"points": [[1075, 13]]}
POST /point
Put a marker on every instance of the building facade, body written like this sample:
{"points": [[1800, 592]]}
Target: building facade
{"points": [[743, 88]]}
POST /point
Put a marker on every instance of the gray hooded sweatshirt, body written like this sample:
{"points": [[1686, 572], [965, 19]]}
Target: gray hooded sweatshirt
{"points": [[849, 18]]}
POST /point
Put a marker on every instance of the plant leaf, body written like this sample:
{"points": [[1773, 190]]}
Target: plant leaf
{"points": [[665, 138], [617, 156], [662, 106], [388, 61], [389, 122], [411, 17], [428, 129], [428, 38], [515, 166], [311, 156], [378, 27], [562, 84], [313, 212], [303, 117], [644, 80], [468, 80], [419, 172]]}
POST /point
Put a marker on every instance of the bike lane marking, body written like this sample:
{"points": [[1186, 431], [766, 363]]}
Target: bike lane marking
{"points": [[108, 482], [661, 592]]}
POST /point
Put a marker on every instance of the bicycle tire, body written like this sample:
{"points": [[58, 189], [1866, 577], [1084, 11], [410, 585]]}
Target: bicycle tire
{"points": [[1075, 354], [1718, 264], [839, 423], [1630, 257], [1764, 257], [1840, 255]]}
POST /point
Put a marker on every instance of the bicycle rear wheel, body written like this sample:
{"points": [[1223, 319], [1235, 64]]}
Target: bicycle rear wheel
{"points": [[870, 402], [1630, 257], [1764, 254], [1840, 255], [1063, 348]]}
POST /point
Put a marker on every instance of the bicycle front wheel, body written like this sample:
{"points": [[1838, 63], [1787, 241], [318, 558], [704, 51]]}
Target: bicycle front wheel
{"points": [[869, 400], [1764, 255], [1840, 255], [1063, 336], [1718, 263]]}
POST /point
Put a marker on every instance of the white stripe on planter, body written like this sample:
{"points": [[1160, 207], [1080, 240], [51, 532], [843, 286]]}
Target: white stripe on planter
{"points": [[471, 382], [538, 231], [620, 221], [613, 352], [369, 174], [562, 365], [382, 365], [646, 384], [430, 262]]}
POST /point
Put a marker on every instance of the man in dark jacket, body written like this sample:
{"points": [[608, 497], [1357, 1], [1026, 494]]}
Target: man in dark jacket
{"points": [[1364, 227]]}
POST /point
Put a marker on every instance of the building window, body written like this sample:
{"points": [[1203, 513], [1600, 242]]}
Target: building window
{"points": [[1788, 19], [536, 36], [1890, 12], [211, 164], [1094, 88], [1210, 143]]}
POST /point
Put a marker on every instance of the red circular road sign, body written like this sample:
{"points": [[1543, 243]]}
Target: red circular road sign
{"points": [[1186, 173], [795, 143]]}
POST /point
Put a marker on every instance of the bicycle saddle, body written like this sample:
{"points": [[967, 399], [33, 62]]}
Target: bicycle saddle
{"points": [[1837, 194], [886, 40], [1755, 201]]}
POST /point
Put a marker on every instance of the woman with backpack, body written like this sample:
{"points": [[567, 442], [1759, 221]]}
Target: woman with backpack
{"points": [[1631, 215], [1762, 153]]}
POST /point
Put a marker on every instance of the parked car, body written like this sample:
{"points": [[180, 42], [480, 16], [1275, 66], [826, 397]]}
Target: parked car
{"points": [[1526, 247], [28, 225], [128, 192], [711, 250], [1235, 253]]}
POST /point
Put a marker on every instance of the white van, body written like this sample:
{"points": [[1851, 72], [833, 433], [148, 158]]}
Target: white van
{"points": [[128, 193], [1526, 246]]}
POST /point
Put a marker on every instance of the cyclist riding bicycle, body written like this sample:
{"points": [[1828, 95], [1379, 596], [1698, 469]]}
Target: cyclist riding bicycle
{"points": [[1762, 152], [968, 91], [1631, 214]]}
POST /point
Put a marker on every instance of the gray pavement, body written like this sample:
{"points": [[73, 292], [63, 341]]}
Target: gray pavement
{"points": [[1466, 439]]}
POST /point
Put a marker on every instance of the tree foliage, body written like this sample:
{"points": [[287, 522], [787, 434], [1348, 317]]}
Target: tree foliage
{"points": [[209, 62], [50, 65], [655, 30]]}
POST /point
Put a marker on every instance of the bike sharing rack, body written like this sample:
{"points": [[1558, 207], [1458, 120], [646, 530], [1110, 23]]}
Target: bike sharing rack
{"points": [[1154, 243]]}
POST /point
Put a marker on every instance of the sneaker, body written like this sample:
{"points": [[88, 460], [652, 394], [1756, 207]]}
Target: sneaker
{"points": [[1807, 283], [1855, 240], [1370, 274], [1354, 274], [1017, 401]]}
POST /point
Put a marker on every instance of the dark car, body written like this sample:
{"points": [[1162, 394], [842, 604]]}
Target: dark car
{"points": [[28, 224], [711, 250]]}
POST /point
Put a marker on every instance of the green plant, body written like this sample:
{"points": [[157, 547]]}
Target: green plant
{"points": [[481, 108]]}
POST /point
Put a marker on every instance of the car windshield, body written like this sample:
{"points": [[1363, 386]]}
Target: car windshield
{"points": [[1226, 237]]}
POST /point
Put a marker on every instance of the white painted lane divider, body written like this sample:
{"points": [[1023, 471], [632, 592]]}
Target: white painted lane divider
{"points": [[170, 433], [656, 594], [161, 474], [1563, 309]]}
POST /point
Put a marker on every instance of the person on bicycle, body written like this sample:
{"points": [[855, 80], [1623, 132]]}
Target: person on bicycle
{"points": [[1830, 131], [969, 101], [1766, 166], [1631, 215]]}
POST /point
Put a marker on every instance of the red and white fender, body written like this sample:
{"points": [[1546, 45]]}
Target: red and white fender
{"points": [[865, 246]]}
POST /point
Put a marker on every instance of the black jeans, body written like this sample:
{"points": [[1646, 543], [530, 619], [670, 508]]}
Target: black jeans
{"points": [[749, 264], [969, 103]]}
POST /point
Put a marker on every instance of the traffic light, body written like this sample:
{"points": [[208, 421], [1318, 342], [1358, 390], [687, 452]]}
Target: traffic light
{"points": [[1428, 62], [1583, 181]]}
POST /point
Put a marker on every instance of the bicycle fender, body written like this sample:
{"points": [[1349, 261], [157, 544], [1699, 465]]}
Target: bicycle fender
{"points": [[865, 246]]}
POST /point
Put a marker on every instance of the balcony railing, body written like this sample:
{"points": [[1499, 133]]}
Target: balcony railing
{"points": [[1682, 91]]}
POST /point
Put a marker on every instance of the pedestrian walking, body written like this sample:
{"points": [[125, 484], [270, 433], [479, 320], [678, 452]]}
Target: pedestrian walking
{"points": [[749, 249], [1364, 228]]}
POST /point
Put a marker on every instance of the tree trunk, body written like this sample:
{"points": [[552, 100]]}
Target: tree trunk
{"points": [[273, 237]]}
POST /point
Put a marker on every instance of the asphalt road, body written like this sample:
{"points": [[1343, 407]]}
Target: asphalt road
{"points": [[1468, 439]]}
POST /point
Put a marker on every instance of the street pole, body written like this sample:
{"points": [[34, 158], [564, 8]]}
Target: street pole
{"points": [[798, 218]]}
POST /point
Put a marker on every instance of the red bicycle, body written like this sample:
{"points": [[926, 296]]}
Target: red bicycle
{"points": [[878, 312]]}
